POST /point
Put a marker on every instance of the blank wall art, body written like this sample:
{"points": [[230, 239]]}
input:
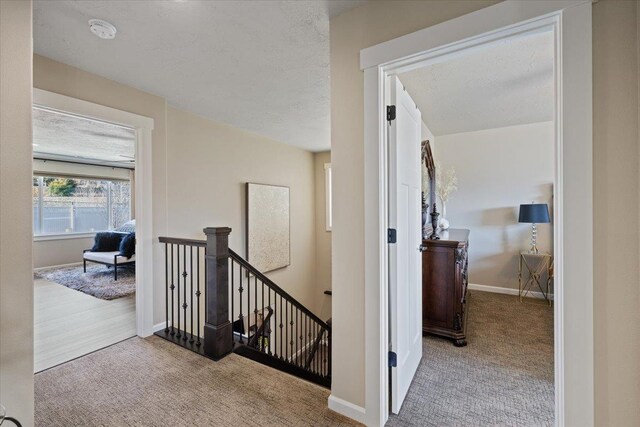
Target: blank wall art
{"points": [[268, 243]]}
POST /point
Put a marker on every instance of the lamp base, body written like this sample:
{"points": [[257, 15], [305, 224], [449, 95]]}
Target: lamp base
{"points": [[534, 232]]}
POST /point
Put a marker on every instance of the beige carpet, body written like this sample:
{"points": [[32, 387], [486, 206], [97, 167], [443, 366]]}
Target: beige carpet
{"points": [[503, 377], [152, 382]]}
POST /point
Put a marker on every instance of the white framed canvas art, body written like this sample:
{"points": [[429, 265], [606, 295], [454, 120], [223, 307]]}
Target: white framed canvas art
{"points": [[268, 226]]}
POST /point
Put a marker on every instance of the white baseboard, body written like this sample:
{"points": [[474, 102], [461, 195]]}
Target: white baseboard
{"points": [[300, 352], [507, 291], [304, 349], [160, 326], [71, 264], [347, 409]]}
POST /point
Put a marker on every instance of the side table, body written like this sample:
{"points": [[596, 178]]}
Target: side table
{"points": [[535, 264]]}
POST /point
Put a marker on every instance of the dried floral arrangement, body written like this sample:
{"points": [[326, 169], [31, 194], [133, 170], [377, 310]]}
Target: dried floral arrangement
{"points": [[446, 182]]}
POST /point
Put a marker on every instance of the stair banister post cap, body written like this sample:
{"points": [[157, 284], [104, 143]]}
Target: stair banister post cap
{"points": [[217, 230]]}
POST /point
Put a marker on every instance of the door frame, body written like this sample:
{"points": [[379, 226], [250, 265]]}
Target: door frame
{"points": [[570, 20], [143, 127]]}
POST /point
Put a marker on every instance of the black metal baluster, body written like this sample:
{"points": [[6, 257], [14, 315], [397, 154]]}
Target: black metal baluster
{"points": [[316, 365], [270, 332], [178, 334], [232, 291], [248, 331], [286, 328], [166, 287], [301, 332], [264, 327], [295, 334], [306, 337], [323, 354], [240, 289], [255, 305], [325, 364], [320, 350], [298, 338], [323, 351], [292, 338], [191, 289], [280, 326], [184, 285], [198, 295], [172, 292]]}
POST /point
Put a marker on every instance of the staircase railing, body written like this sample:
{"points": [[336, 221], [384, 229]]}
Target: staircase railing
{"points": [[286, 330], [184, 285], [216, 302]]}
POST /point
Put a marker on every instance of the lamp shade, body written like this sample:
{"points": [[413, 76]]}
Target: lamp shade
{"points": [[534, 213]]}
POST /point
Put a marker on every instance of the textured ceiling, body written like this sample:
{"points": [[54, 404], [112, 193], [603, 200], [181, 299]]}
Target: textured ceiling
{"points": [[262, 66], [73, 137], [506, 83]]}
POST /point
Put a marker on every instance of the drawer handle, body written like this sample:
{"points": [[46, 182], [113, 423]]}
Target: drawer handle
{"points": [[422, 248]]}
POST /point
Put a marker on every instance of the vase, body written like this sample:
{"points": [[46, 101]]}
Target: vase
{"points": [[444, 223]]}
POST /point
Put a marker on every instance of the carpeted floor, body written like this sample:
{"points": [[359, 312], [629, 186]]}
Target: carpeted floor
{"points": [[503, 377], [152, 382], [97, 281]]}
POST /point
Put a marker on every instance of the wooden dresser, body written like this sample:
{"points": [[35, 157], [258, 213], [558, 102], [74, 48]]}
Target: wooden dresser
{"points": [[444, 285]]}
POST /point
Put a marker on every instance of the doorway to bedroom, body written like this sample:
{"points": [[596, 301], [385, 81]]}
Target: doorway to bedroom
{"points": [[84, 231]]}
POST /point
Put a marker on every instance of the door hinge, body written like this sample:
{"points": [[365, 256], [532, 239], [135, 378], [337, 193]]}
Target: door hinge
{"points": [[393, 359], [391, 112], [391, 235]]}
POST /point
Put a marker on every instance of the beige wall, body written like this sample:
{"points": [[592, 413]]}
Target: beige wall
{"points": [[47, 253], [208, 166], [616, 210], [361, 27], [16, 289], [615, 172], [323, 237], [497, 170]]}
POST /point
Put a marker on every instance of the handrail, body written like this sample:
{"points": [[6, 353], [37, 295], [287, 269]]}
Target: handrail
{"points": [[180, 241], [276, 288]]}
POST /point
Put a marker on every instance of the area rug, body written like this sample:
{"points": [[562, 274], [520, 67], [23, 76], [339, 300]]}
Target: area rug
{"points": [[97, 281]]}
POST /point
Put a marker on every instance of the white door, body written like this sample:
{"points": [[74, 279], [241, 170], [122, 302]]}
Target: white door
{"points": [[405, 262]]}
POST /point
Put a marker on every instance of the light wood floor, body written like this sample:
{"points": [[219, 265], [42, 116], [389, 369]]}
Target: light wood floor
{"points": [[70, 324]]}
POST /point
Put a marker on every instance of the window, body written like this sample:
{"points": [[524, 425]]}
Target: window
{"points": [[67, 205], [327, 195]]}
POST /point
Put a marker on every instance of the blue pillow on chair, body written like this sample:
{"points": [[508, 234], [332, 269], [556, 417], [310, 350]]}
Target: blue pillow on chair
{"points": [[128, 245], [107, 241]]}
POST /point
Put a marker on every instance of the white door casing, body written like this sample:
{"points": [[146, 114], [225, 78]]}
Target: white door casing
{"points": [[143, 127], [405, 262]]}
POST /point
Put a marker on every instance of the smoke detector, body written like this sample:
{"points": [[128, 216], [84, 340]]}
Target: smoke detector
{"points": [[102, 29]]}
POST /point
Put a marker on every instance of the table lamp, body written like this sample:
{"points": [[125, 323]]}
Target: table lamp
{"points": [[534, 213]]}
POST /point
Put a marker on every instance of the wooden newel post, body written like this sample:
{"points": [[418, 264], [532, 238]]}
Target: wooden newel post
{"points": [[217, 327]]}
